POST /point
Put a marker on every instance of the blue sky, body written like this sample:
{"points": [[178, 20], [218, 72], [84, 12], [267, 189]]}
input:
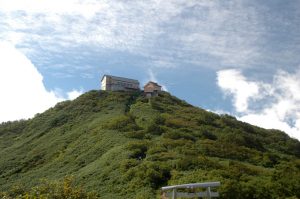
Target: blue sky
{"points": [[240, 57]]}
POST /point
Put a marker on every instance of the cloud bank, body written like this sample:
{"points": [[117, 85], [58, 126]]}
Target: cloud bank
{"points": [[274, 105], [175, 33], [166, 32], [23, 93]]}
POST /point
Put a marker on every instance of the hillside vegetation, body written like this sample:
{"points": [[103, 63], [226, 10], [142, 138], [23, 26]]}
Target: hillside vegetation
{"points": [[122, 145]]}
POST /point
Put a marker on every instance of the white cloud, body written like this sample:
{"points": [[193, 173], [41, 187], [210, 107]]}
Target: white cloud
{"points": [[74, 94], [169, 33], [232, 82], [87, 9], [22, 90], [269, 119], [269, 105], [225, 32], [229, 31], [153, 78]]}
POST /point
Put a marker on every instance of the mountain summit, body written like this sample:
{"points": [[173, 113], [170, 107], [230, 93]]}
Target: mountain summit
{"points": [[124, 145]]}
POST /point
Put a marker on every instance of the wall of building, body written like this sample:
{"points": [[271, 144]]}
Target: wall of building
{"points": [[103, 84], [119, 83], [151, 88]]}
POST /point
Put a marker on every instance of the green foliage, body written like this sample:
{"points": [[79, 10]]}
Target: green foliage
{"points": [[287, 176], [136, 134], [122, 123], [147, 174], [50, 189], [205, 134], [176, 134], [12, 127], [137, 149], [123, 145], [155, 126]]}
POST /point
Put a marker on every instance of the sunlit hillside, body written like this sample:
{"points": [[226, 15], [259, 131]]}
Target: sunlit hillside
{"points": [[123, 145]]}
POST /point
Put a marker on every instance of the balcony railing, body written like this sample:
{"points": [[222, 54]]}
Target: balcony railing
{"points": [[172, 191]]}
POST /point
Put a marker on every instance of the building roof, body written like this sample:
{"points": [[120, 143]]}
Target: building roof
{"points": [[154, 83], [121, 79]]}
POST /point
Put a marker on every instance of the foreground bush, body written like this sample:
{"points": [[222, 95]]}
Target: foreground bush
{"points": [[49, 189]]}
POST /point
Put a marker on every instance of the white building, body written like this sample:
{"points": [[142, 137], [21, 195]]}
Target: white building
{"points": [[113, 83]]}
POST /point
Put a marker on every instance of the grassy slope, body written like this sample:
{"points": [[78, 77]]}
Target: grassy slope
{"points": [[122, 145]]}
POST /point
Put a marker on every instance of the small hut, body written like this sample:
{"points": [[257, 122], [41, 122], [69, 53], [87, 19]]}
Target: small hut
{"points": [[152, 89]]}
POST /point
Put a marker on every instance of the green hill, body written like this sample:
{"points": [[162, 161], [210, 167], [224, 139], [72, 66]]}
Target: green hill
{"points": [[122, 145]]}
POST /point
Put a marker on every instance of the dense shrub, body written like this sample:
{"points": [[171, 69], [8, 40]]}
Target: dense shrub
{"points": [[178, 135], [135, 134], [122, 123], [50, 189], [137, 149], [287, 177], [207, 134], [13, 127], [123, 145], [192, 162], [155, 127], [148, 173]]}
